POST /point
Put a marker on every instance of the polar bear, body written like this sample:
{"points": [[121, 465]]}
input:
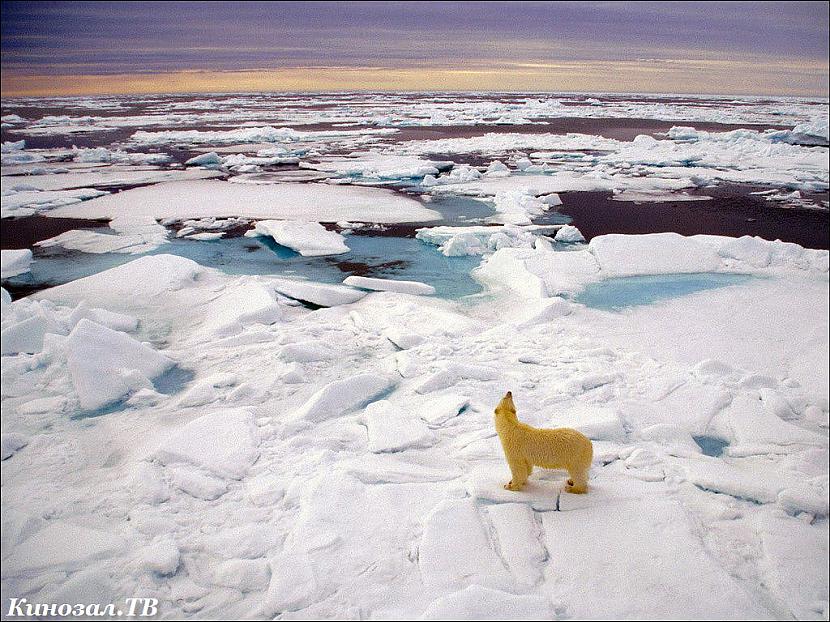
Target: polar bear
{"points": [[525, 447]]}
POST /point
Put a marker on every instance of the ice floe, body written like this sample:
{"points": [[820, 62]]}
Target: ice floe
{"points": [[289, 201], [310, 239], [25, 201], [102, 177], [14, 262], [390, 285], [477, 240]]}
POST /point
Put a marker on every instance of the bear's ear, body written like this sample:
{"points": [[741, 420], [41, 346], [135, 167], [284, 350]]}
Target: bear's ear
{"points": [[510, 394]]}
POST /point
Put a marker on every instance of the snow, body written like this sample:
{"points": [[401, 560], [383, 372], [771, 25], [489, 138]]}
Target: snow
{"points": [[117, 156], [595, 422], [535, 273], [145, 279], [131, 234], [264, 134], [26, 202], [540, 273], [61, 545], [293, 585], [486, 483], [518, 207], [440, 409], [162, 557], [392, 429], [106, 365], [241, 163], [27, 334], [478, 239], [14, 262], [310, 239], [223, 443], [569, 234], [518, 536], [480, 603], [467, 559], [654, 253], [662, 538], [288, 201], [794, 554], [205, 159], [300, 486], [306, 352], [340, 397], [245, 575], [814, 133], [242, 304], [11, 443], [265, 490], [380, 166], [318, 293], [390, 285], [196, 484], [645, 169], [102, 177]]}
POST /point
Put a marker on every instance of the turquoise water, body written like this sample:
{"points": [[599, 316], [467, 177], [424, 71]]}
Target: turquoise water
{"points": [[377, 256], [710, 445], [383, 256], [632, 291]]}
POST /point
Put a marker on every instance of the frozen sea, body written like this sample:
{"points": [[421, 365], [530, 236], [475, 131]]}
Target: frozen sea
{"points": [[252, 343]]}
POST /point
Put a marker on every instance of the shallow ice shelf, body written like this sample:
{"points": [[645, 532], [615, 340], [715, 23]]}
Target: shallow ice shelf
{"points": [[632, 291], [710, 445]]}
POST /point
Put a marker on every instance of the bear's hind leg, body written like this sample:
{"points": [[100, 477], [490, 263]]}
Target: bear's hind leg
{"points": [[578, 483], [519, 471]]}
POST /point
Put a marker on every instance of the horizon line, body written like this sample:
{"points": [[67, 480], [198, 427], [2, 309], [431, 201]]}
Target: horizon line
{"points": [[576, 78]]}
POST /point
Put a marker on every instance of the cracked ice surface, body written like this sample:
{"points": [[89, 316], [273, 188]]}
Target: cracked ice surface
{"points": [[375, 481]]}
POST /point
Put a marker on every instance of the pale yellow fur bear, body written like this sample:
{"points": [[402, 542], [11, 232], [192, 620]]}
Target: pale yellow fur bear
{"points": [[525, 447]]}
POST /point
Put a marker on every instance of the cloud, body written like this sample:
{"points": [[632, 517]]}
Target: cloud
{"points": [[44, 41]]}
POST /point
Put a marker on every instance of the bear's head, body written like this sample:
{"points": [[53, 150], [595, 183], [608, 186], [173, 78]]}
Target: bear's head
{"points": [[506, 409]]}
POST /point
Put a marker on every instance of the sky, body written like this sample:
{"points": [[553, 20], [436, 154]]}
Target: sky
{"points": [[69, 48]]}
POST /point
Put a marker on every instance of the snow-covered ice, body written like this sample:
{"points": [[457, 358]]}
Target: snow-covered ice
{"points": [[477, 239], [412, 477], [188, 199], [390, 285], [105, 365], [310, 239], [223, 443], [15, 262]]}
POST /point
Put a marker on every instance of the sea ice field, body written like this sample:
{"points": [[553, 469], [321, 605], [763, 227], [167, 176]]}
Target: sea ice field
{"points": [[252, 344]]}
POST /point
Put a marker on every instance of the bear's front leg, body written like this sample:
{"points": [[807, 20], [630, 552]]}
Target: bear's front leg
{"points": [[519, 471]]}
